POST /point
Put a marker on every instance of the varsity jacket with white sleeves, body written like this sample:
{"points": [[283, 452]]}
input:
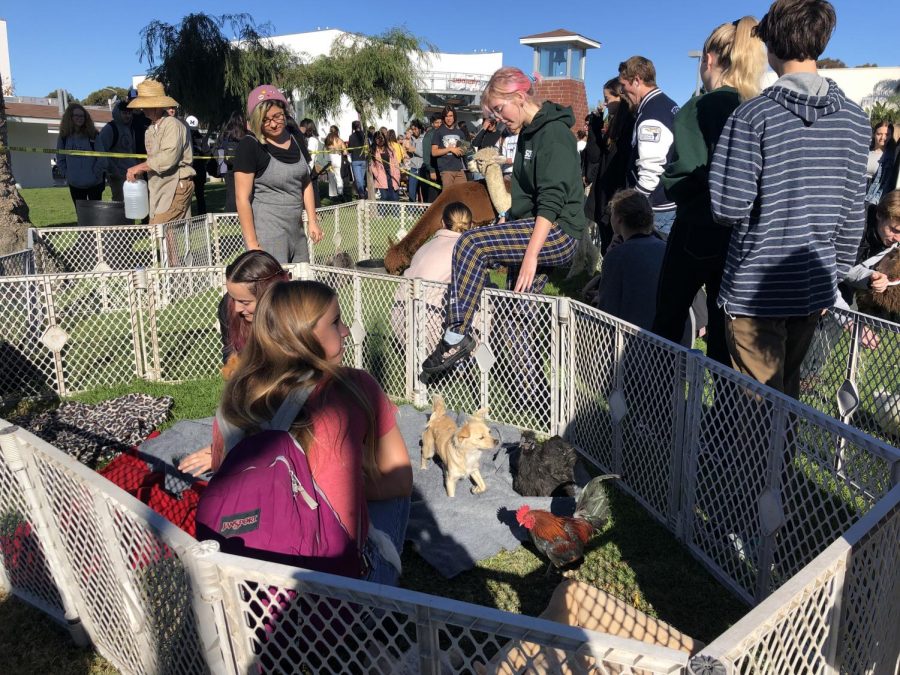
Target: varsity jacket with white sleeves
{"points": [[652, 144]]}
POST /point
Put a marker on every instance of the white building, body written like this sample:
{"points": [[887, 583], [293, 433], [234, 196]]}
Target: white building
{"points": [[865, 86], [34, 123], [457, 79]]}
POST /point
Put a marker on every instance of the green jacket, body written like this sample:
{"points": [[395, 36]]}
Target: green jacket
{"points": [[697, 128], [547, 171]]}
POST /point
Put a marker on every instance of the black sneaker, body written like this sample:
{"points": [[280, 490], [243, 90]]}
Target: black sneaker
{"points": [[445, 356]]}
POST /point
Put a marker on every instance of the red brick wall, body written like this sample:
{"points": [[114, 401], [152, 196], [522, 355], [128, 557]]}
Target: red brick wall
{"points": [[565, 92]]}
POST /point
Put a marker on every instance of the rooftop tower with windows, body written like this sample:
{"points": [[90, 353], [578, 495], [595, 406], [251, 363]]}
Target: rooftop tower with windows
{"points": [[559, 57]]}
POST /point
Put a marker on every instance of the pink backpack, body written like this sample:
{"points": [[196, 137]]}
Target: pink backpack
{"points": [[263, 502]]}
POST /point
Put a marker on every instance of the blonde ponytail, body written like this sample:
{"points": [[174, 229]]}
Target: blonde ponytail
{"points": [[742, 56]]}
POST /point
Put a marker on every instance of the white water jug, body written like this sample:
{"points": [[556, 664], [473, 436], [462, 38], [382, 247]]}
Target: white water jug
{"points": [[137, 199]]}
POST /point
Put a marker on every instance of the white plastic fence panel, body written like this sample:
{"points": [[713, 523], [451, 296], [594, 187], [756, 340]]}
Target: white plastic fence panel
{"points": [[89, 249], [126, 563], [838, 614], [374, 308], [763, 491], [287, 620]]}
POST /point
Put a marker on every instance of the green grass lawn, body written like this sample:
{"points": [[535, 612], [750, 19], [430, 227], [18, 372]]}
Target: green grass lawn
{"points": [[53, 206]]}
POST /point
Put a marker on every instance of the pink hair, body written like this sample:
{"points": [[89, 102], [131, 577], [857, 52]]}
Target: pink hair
{"points": [[503, 83]]}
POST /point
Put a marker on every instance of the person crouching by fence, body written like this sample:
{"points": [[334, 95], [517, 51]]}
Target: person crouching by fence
{"points": [[544, 223], [168, 164]]}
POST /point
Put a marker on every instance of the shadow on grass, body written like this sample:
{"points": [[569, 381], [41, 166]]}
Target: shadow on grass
{"points": [[33, 643], [634, 559]]}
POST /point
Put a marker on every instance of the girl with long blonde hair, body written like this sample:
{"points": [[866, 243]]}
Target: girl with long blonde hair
{"points": [[347, 426], [731, 69], [84, 174]]}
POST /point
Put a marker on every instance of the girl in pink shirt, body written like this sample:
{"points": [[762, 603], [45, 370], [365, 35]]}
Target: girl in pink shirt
{"points": [[347, 426]]}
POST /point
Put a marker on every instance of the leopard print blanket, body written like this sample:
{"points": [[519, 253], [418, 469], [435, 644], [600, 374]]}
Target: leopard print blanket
{"points": [[95, 433]]}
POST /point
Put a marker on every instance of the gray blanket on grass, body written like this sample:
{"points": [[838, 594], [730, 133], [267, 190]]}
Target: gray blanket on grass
{"points": [[451, 534]]}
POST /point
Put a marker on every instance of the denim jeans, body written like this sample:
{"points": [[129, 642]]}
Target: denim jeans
{"points": [[662, 221], [390, 516], [359, 177], [412, 185]]}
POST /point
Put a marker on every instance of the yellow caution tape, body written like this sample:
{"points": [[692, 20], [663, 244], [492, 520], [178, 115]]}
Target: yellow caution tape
{"points": [[437, 186], [91, 153]]}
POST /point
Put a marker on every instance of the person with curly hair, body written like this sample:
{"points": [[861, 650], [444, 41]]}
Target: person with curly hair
{"points": [[84, 174]]}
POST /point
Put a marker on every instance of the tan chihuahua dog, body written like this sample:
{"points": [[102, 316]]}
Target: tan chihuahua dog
{"points": [[459, 449]]}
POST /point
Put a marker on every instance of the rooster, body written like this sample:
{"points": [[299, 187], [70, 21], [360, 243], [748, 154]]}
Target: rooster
{"points": [[560, 538]]}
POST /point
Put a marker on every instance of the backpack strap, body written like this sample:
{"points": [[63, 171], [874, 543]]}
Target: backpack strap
{"points": [[284, 416]]}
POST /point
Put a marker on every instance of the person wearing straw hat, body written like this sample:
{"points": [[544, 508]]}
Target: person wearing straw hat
{"points": [[168, 164]]}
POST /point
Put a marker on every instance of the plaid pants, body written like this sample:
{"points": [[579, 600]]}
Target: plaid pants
{"points": [[480, 249]]}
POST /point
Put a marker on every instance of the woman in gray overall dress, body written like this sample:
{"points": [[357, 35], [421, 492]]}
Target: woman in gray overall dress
{"points": [[272, 183]]}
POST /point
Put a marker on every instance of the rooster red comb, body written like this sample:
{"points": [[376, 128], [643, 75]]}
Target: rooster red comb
{"points": [[520, 514]]}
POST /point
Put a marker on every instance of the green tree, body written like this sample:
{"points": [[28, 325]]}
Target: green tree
{"points": [[14, 215], [830, 63], [210, 63], [69, 95], [101, 96], [867, 65], [372, 71]]}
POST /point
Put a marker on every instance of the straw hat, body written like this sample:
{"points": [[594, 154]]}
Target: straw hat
{"points": [[150, 94]]}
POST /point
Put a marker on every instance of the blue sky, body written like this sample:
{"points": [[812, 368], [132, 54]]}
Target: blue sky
{"points": [[86, 45]]}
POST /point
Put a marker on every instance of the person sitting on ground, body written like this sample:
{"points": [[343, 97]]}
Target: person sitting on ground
{"points": [[346, 427], [246, 279], [545, 220], [630, 273]]}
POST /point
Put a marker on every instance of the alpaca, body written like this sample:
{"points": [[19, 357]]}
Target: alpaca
{"points": [[472, 194], [485, 204]]}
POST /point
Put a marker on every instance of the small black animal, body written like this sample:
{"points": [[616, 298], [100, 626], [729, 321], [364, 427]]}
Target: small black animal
{"points": [[545, 469]]}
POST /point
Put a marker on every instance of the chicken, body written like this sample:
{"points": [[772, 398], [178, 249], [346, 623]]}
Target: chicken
{"points": [[561, 538]]}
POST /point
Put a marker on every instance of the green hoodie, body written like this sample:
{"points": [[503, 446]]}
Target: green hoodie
{"points": [[547, 172]]}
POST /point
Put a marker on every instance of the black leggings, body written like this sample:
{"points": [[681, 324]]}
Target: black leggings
{"points": [[94, 194], [695, 257]]}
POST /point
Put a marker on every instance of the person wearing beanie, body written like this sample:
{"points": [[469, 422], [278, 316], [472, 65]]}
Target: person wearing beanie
{"points": [[272, 182]]}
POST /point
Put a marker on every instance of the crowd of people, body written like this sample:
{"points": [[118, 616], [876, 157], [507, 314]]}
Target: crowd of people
{"points": [[748, 208]]}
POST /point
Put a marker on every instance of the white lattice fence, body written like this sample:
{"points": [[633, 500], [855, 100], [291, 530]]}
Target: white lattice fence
{"points": [[119, 564], [852, 372], [764, 492], [839, 614], [17, 264], [290, 621], [88, 249]]}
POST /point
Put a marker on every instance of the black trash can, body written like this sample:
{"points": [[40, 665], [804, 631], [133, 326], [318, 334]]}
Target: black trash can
{"points": [[93, 213], [83, 256], [372, 265]]}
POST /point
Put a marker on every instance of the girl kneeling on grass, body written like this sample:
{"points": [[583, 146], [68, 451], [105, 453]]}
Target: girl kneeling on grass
{"points": [[347, 426], [544, 223], [246, 279]]}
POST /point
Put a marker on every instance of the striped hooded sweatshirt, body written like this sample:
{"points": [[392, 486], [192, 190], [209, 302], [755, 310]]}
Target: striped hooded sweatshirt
{"points": [[788, 175]]}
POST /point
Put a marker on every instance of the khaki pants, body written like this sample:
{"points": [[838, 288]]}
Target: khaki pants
{"points": [[452, 177], [179, 209], [771, 349]]}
